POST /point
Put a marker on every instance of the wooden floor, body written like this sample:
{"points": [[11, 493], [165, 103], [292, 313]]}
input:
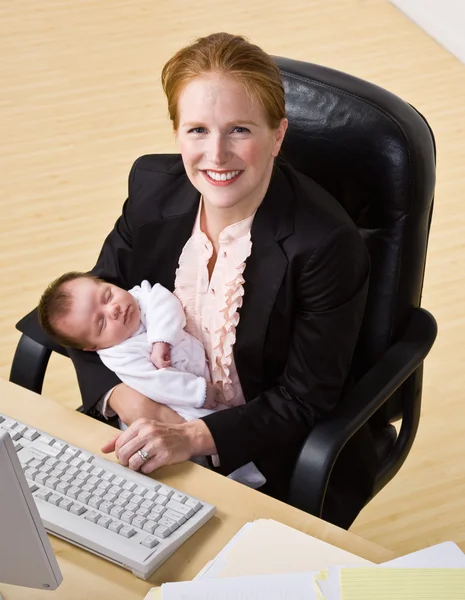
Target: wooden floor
{"points": [[80, 99]]}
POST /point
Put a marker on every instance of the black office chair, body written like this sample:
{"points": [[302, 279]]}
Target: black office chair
{"points": [[376, 154]]}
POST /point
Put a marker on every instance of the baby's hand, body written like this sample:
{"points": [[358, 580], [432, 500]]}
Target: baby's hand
{"points": [[213, 397], [161, 355]]}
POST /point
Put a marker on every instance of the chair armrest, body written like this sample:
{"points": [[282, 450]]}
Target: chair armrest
{"points": [[32, 354], [326, 440]]}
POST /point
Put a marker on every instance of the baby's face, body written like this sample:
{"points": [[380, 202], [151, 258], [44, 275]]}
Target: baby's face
{"points": [[101, 313]]}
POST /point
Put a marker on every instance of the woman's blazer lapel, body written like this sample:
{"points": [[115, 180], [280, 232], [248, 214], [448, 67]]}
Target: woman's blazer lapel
{"points": [[264, 273]]}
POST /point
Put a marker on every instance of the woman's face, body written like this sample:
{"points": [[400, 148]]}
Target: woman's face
{"points": [[226, 143]]}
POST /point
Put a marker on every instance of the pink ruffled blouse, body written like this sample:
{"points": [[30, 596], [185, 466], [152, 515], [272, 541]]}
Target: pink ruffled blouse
{"points": [[211, 305]]}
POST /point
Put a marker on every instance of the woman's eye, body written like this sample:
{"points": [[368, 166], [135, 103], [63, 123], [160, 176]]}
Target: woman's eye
{"points": [[109, 296], [197, 130], [241, 130]]}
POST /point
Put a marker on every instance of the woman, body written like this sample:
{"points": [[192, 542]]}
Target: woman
{"points": [[271, 271]]}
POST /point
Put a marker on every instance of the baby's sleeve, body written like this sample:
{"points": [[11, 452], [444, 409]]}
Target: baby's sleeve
{"points": [[165, 316]]}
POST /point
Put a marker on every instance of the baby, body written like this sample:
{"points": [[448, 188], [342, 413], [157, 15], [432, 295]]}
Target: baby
{"points": [[139, 335]]}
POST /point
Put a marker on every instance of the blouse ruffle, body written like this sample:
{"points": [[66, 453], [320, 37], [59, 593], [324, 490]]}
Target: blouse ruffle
{"points": [[195, 257]]}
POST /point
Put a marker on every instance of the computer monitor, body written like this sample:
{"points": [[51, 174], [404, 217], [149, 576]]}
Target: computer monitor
{"points": [[26, 556]]}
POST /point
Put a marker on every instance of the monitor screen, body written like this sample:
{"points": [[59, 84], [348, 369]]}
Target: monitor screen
{"points": [[26, 556]]}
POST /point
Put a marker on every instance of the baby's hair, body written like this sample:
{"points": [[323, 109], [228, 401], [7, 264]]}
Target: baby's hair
{"points": [[56, 303]]}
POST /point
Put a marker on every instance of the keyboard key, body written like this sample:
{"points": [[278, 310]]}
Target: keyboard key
{"points": [[82, 475], [121, 502], [131, 506], [108, 496], [137, 499], [88, 487], [143, 512], [106, 506], [46, 439], [179, 497], [104, 521], [71, 451], [138, 521], [129, 485], [52, 482], [21, 429], [162, 500], [59, 445], [54, 499], [171, 514], [63, 487], [73, 492], [140, 490], [32, 486], [76, 462], [65, 503], [45, 468], [97, 471], [147, 504], [126, 494], [128, 516], [162, 531], [107, 476], [105, 485], [84, 497], [77, 509], [17, 446], [93, 480], [164, 491], [41, 478], [31, 434], [172, 525], [157, 509], [99, 492], [187, 511], [117, 511], [95, 502], [51, 461], [150, 495], [150, 526], [119, 481], [30, 473], [40, 446], [93, 516], [85, 456], [149, 541], [115, 526], [87, 467], [127, 531], [44, 494]]}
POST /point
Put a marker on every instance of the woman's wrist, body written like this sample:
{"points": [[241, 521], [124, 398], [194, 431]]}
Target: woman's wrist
{"points": [[201, 441]]}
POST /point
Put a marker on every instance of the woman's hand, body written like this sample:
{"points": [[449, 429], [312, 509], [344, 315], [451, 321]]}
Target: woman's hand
{"points": [[131, 405], [164, 443]]}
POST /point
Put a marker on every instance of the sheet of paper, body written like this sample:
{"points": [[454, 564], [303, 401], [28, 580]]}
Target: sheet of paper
{"points": [[402, 584], [445, 555], [295, 586], [267, 546], [153, 594]]}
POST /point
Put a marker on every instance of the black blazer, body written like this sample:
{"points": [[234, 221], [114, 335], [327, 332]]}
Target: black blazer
{"points": [[304, 295]]}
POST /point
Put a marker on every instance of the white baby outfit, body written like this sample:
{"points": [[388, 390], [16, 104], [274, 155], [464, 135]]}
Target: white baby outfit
{"points": [[182, 387]]}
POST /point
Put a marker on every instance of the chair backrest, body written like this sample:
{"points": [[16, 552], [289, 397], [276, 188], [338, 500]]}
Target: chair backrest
{"points": [[376, 155]]}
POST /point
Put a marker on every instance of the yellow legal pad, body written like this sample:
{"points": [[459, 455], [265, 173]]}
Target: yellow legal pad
{"points": [[402, 584]]}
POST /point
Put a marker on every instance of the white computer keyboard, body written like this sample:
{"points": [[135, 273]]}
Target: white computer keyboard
{"points": [[123, 516]]}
